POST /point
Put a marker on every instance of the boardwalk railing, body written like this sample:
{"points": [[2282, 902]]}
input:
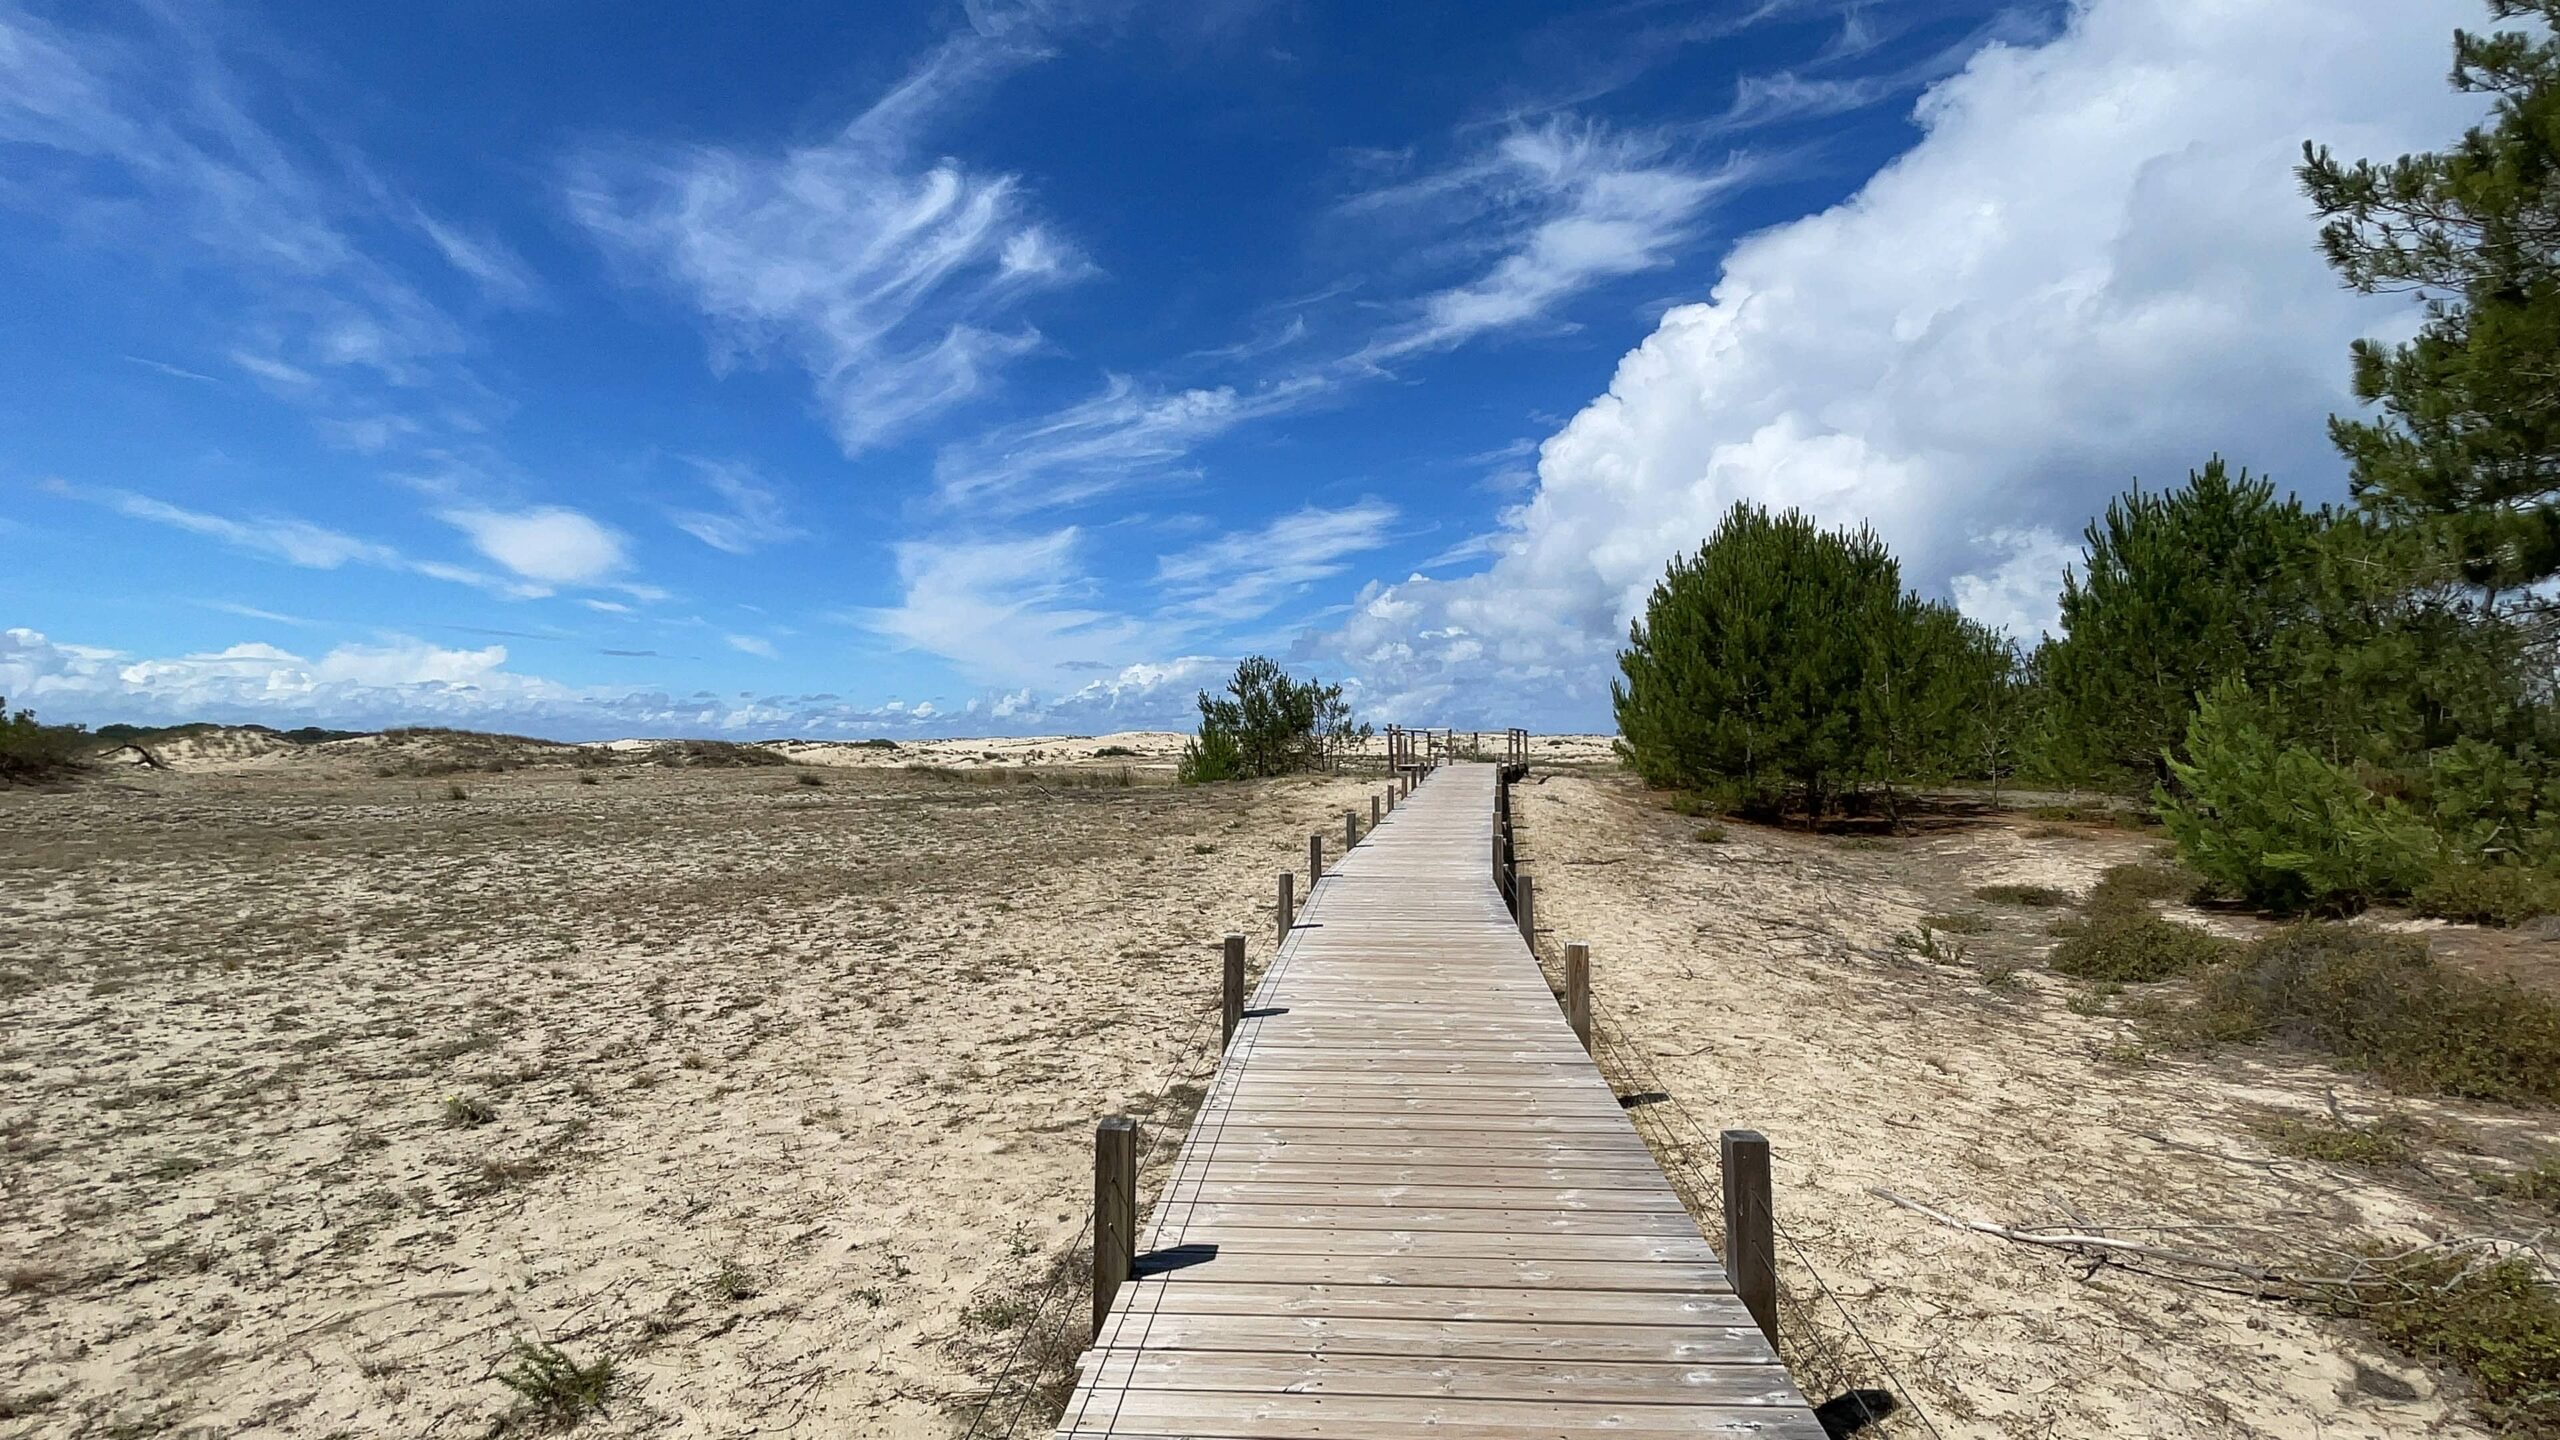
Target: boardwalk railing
{"points": [[1409, 1203]]}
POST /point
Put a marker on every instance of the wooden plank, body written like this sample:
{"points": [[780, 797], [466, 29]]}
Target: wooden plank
{"points": [[1409, 1205], [1415, 1377]]}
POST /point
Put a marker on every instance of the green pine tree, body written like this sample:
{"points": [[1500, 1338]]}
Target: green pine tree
{"points": [[2179, 589], [2468, 441]]}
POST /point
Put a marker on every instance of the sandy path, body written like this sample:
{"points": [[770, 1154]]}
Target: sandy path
{"points": [[1757, 981], [790, 1085]]}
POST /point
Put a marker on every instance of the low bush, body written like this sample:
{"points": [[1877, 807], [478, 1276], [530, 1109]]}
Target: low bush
{"points": [[34, 753], [1709, 834], [2495, 1321], [2535, 1184], [2280, 827], [552, 1390], [2480, 894], [2382, 1145], [2129, 944], [2135, 886], [2034, 897], [2379, 1002]]}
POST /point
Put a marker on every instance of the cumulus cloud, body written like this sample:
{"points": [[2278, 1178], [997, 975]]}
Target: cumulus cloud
{"points": [[550, 544], [401, 680], [888, 275], [2094, 265]]}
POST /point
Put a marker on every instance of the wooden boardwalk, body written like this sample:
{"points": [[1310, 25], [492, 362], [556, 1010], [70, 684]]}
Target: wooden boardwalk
{"points": [[1410, 1205]]}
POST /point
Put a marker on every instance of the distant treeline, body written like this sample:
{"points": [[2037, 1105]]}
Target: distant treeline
{"points": [[2327, 706]]}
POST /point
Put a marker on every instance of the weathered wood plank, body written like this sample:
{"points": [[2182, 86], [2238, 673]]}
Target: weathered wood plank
{"points": [[1410, 1206]]}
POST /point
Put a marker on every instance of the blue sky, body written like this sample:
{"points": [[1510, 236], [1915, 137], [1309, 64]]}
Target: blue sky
{"points": [[608, 369]]}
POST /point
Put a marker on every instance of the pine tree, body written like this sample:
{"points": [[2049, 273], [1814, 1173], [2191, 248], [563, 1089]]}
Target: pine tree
{"points": [[2468, 442], [2179, 589]]}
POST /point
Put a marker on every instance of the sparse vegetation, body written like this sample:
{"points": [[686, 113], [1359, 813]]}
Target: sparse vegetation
{"points": [[2479, 894], [34, 753], [1268, 723], [2381, 1145], [1709, 835], [2036, 897], [2380, 1003], [2134, 946], [463, 1112], [2495, 1320], [553, 1391]]}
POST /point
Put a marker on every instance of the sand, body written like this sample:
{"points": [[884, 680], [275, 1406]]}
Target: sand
{"points": [[1759, 983], [789, 1087]]}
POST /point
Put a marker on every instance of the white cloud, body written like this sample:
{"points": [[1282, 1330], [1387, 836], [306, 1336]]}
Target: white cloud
{"points": [[2095, 265], [754, 517], [295, 542], [550, 544], [1120, 437], [1008, 612], [885, 274], [1565, 206], [1245, 575], [755, 645], [2019, 592], [406, 681]]}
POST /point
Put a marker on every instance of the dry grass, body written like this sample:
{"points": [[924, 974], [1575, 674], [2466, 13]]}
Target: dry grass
{"points": [[702, 1033]]}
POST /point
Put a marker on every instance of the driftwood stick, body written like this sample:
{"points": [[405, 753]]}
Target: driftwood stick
{"points": [[2074, 1240]]}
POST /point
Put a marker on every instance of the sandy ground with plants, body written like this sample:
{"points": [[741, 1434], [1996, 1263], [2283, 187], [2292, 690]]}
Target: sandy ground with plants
{"points": [[1759, 982], [321, 1089]]}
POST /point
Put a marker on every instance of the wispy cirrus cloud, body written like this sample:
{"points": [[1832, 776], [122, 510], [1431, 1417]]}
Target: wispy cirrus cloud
{"points": [[752, 516], [1009, 611], [1556, 209], [893, 278], [1246, 574], [1123, 436], [296, 542], [141, 133]]}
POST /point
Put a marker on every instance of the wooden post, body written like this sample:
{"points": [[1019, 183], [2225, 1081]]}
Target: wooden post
{"points": [[1577, 989], [1115, 1210], [1750, 1229], [1524, 901], [1315, 863], [1233, 998], [1374, 812], [1350, 830], [1288, 902]]}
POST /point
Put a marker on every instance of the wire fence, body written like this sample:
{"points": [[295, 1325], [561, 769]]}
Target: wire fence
{"points": [[1826, 1358]]}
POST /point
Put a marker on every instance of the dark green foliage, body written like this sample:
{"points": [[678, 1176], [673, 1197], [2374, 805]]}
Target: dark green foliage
{"points": [[552, 1390], [1784, 664], [1267, 724], [2277, 825], [2480, 894], [34, 753], [2382, 1145], [2495, 1321], [2135, 886], [2467, 447], [2379, 1002], [2180, 589], [2130, 945]]}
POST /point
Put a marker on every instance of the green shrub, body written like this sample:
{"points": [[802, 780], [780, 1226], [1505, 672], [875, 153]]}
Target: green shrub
{"points": [[2034, 897], [2126, 944], [1268, 723], [2135, 886], [555, 1391], [1709, 835], [1213, 755], [2479, 894], [2497, 1322], [2379, 1002], [33, 753], [1961, 923], [2535, 1184], [2382, 1145], [2277, 825]]}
